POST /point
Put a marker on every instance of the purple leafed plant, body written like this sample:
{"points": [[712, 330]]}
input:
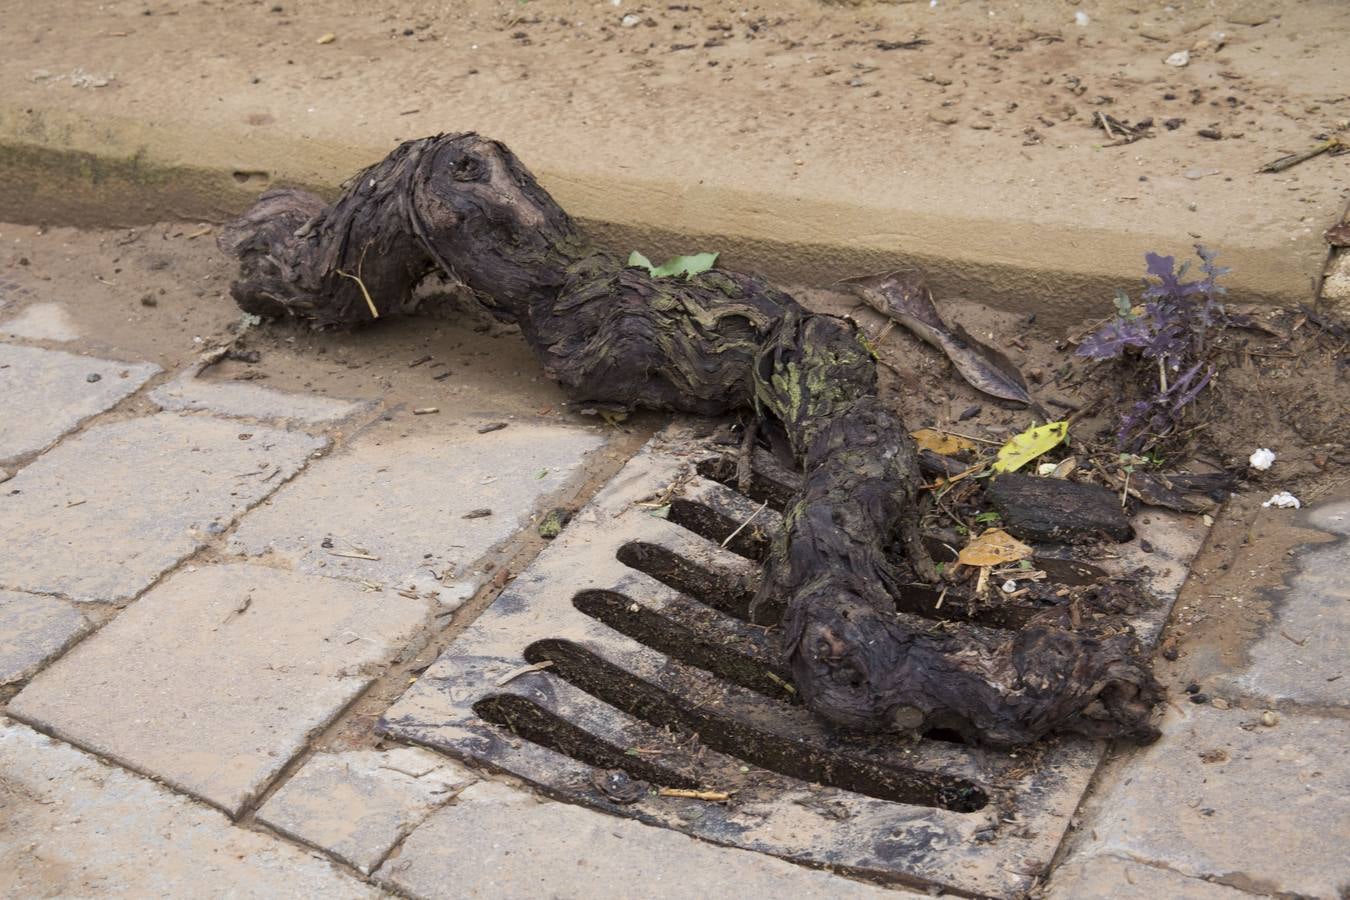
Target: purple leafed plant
{"points": [[1173, 332]]}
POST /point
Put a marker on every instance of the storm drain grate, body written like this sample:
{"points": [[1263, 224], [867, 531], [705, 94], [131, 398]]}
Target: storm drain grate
{"points": [[627, 644]]}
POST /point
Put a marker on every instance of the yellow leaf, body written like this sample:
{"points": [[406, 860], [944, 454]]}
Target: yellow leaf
{"points": [[993, 548], [1030, 444], [941, 441]]}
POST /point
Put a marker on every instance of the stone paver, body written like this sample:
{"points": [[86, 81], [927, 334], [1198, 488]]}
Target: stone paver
{"points": [[47, 393], [357, 805], [103, 515], [42, 322], [499, 842], [71, 826], [1304, 654], [188, 392], [32, 630], [404, 502], [1261, 809], [216, 678], [1124, 879]]}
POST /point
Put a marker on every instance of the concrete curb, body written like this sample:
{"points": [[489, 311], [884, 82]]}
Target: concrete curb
{"points": [[58, 168]]}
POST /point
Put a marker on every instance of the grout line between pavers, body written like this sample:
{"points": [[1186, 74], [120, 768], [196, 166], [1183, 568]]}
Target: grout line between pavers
{"points": [[115, 413], [1164, 867], [431, 639], [256, 828], [507, 557], [108, 610]]}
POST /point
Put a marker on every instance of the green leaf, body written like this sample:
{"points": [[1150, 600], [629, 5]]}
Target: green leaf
{"points": [[1030, 444], [686, 265], [679, 265]]}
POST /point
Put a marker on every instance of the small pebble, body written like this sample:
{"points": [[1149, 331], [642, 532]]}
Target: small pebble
{"points": [[632, 20], [1269, 719], [1179, 59], [92, 377], [426, 410], [1199, 698], [1192, 688], [477, 513], [1219, 703]]}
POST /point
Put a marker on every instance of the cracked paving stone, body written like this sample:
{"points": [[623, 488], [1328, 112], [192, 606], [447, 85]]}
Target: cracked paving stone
{"points": [[1124, 879], [188, 392], [73, 826], [1224, 798], [45, 394], [34, 629], [358, 805], [1304, 654], [102, 516], [498, 841], [216, 678], [389, 508]]}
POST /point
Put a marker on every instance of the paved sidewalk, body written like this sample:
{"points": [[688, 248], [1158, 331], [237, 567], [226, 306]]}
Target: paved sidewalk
{"points": [[1248, 792], [203, 580], [202, 577]]}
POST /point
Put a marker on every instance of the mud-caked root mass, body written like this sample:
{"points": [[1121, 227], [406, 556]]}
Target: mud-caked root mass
{"points": [[463, 208]]}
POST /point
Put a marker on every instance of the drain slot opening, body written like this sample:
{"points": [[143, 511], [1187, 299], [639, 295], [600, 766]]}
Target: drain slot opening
{"points": [[542, 727], [611, 684], [769, 481], [751, 541], [723, 659], [723, 591]]}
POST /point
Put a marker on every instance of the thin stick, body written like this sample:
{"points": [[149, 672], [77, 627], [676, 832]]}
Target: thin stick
{"points": [[374, 313], [970, 437], [745, 523], [710, 796], [1293, 159], [352, 555], [523, 670]]}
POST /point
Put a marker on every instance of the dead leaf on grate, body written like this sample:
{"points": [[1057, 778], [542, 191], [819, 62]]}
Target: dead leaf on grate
{"points": [[993, 548]]}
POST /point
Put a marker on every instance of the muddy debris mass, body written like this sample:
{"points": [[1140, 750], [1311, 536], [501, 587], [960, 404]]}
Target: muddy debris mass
{"points": [[464, 209]]}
